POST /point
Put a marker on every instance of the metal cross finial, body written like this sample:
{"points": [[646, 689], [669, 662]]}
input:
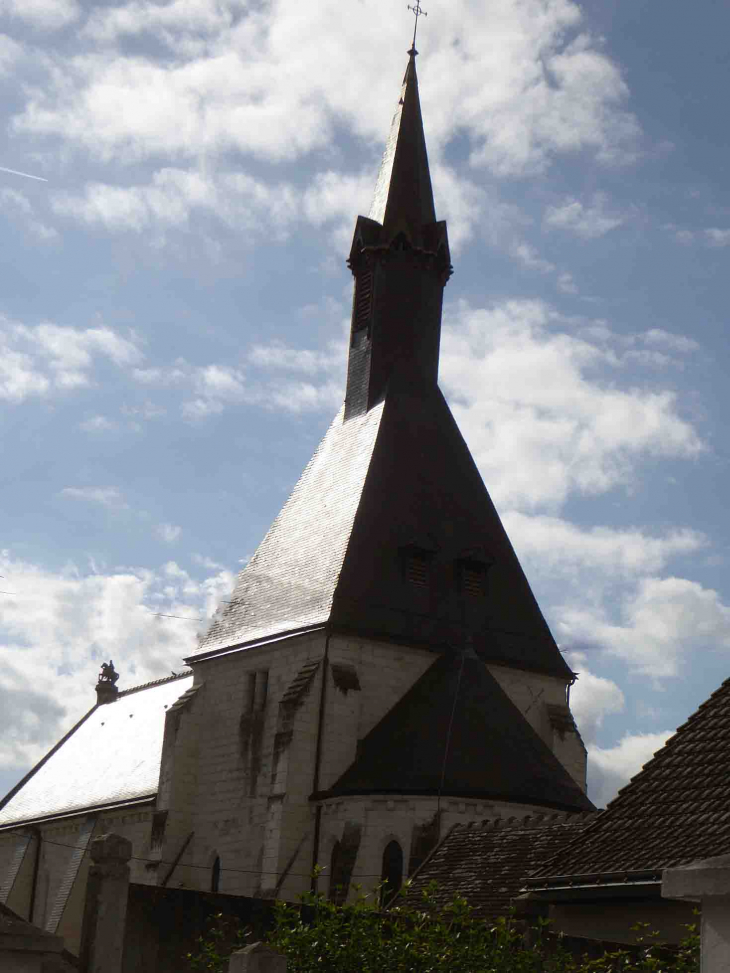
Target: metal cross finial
{"points": [[417, 11]]}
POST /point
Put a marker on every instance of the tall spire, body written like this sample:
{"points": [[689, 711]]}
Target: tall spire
{"points": [[400, 260], [403, 199]]}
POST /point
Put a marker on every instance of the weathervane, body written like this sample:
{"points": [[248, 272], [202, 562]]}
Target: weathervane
{"points": [[417, 11]]}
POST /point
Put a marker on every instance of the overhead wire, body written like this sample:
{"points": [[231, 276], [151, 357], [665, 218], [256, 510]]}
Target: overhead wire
{"points": [[159, 861]]}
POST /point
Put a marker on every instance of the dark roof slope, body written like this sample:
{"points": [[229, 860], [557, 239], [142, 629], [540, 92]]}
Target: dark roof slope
{"points": [[456, 732], [403, 196], [398, 476], [676, 810], [487, 863]]}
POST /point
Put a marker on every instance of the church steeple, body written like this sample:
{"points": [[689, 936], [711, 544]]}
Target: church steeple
{"points": [[400, 260], [403, 200]]}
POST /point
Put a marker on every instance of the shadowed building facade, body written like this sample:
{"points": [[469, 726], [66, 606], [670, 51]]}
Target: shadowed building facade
{"points": [[381, 671]]}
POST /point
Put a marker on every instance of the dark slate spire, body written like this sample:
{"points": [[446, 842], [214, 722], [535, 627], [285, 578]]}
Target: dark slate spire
{"points": [[390, 532], [403, 199], [400, 260]]}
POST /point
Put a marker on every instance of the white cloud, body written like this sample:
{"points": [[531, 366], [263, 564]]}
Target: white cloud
{"points": [[41, 14], [662, 622], [110, 497], [169, 532], [611, 768], [18, 205], [563, 547], [717, 238], [212, 388], [59, 628], [586, 221], [529, 85], [675, 342], [10, 53], [528, 255], [566, 284], [711, 236], [592, 698], [39, 359], [541, 421], [97, 424]]}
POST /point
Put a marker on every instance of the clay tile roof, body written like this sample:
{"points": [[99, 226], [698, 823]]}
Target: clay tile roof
{"points": [[487, 863], [671, 813]]}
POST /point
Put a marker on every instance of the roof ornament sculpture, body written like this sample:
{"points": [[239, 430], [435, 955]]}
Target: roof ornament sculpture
{"points": [[108, 673], [418, 11], [106, 688]]}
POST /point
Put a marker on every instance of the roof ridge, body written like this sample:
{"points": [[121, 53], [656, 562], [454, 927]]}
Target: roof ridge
{"points": [[154, 682], [541, 819]]}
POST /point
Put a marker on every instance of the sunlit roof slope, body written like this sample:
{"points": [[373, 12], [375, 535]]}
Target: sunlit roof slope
{"points": [[111, 757]]}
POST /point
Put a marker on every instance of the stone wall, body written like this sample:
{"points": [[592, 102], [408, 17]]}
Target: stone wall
{"points": [[56, 884], [416, 823]]}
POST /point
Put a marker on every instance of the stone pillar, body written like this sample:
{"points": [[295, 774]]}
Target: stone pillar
{"points": [[706, 882], [105, 909], [257, 958]]}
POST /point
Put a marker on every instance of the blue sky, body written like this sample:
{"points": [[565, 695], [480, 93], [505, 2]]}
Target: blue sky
{"points": [[175, 301]]}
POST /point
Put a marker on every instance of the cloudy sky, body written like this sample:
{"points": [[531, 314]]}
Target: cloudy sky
{"points": [[178, 189]]}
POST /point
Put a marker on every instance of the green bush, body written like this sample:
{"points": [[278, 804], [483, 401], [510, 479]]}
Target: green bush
{"points": [[417, 937]]}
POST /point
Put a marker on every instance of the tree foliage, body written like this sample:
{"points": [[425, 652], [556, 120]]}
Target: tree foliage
{"points": [[416, 937]]}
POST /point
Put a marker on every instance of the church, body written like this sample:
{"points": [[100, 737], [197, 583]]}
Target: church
{"points": [[380, 673]]}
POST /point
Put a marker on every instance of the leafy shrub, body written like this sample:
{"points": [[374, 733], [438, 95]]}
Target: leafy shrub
{"points": [[414, 937]]}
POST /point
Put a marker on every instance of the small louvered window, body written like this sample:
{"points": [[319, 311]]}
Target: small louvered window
{"points": [[363, 300], [473, 578], [417, 566]]}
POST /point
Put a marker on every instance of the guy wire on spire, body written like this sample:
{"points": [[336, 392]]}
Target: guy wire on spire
{"points": [[417, 11]]}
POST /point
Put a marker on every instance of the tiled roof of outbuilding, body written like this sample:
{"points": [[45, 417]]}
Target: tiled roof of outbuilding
{"points": [[487, 863], [676, 810], [111, 757], [456, 732]]}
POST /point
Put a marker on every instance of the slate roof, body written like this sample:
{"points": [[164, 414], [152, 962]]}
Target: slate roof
{"points": [[675, 810], [398, 475], [111, 757], [456, 732], [392, 477], [487, 863], [403, 194], [289, 583]]}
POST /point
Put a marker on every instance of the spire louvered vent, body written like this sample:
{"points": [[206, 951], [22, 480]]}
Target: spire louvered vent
{"points": [[363, 300]]}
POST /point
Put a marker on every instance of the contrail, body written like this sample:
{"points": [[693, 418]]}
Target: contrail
{"points": [[26, 174]]}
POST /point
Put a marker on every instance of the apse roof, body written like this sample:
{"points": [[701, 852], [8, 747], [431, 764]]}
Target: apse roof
{"points": [[486, 863], [674, 811], [457, 733], [111, 757]]}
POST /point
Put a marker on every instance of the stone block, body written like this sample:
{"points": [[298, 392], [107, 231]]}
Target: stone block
{"points": [[709, 878]]}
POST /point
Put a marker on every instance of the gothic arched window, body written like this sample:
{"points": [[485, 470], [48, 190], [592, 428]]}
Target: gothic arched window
{"points": [[391, 874], [215, 875]]}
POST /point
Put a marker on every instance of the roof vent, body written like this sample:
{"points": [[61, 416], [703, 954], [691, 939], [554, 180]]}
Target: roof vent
{"points": [[417, 566], [472, 577]]}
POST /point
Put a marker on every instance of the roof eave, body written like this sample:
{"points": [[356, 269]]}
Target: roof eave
{"points": [[79, 812], [254, 643], [344, 793]]}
